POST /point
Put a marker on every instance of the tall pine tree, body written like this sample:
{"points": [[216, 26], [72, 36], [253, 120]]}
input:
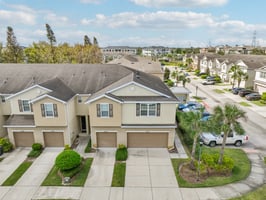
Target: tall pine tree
{"points": [[87, 40], [13, 52], [52, 40]]}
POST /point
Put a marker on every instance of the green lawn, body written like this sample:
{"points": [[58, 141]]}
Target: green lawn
{"points": [[119, 174], [258, 194], [240, 171], [243, 103], [219, 91], [53, 179], [258, 103], [15, 176]]}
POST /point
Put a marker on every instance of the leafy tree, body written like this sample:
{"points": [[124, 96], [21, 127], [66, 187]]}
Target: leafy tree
{"points": [[52, 40], [139, 51], [166, 73], [95, 41], [13, 52], [224, 120], [87, 40], [237, 74], [263, 97]]}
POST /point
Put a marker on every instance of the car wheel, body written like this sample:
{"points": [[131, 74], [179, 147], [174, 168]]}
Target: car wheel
{"points": [[238, 143], [212, 144]]}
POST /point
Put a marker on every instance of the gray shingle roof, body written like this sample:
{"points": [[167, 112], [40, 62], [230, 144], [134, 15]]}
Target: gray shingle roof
{"points": [[59, 89], [66, 80]]}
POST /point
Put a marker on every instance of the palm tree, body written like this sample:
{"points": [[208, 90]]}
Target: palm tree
{"points": [[175, 75], [225, 120], [184, 79], [238, 75], [192, 122], [241, 76]]}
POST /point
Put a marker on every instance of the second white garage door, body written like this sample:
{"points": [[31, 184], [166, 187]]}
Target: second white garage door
{"points": [[147, 140]]}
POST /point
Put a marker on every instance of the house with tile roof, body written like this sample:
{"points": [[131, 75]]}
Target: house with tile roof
{"points": [[53, 103]]}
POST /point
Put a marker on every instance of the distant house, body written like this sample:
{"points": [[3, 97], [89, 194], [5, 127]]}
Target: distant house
{"points": [[53, 103], [140, 63]]}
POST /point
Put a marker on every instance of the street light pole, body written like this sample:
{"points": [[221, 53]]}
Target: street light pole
{"points": [[198, 178], [196, 90]]}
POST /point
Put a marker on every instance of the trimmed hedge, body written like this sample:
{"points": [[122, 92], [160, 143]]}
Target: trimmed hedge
{"points": [[6, 144], [121, 153], [68, 159]]}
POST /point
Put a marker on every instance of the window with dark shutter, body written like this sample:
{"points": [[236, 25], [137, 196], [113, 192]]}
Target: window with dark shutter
{"points": [[55, 110], [137, 109], [31, 109], [20, 105], [110, 110], [98, 110], [42, 110], [158, 109]]}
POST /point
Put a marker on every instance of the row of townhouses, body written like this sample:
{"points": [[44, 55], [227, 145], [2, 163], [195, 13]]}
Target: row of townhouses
{"points": [[53, 103], [253, 65]]}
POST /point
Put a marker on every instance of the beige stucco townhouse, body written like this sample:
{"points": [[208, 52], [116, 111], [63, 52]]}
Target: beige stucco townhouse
{"points": [[53, 103]]}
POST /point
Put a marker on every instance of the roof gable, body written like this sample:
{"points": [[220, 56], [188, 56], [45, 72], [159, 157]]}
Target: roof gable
{"points": [[27, 90]]}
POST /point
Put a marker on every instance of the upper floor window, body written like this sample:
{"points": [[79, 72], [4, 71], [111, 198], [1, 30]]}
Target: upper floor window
{"points": [[24, 106], [49, 110], [104, 110], [148, 109], [263, 75]]}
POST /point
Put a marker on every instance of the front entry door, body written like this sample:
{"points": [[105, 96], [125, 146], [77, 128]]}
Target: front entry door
{"points": [[83, 124]]}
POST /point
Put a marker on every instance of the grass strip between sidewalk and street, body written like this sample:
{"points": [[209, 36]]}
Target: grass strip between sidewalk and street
{"points": [[54, 179], [15, 176], [119, 174], [241, 170]]}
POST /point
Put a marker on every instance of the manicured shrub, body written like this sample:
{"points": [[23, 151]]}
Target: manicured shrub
{"points": [[34, 153], [204, 76], [217, 79], [67, 147], [36, 146], [68, 159], [170, 83], [121, 153], [6, 144]]}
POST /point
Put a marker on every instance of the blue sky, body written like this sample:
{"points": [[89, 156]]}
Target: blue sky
{"points": [[172, 23]]}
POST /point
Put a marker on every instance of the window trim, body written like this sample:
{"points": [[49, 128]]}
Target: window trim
{"points": [[22, 105], [156, 109], [45, 111], [108, 112], [54, 110]]}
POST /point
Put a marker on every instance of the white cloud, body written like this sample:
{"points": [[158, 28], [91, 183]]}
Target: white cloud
{"points": [[153, 20], [179, 3], [54, 19], [17, 17]]}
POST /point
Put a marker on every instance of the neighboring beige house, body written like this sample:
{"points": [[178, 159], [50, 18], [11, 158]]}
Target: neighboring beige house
{"points": [[144, 64], [53, 103]]}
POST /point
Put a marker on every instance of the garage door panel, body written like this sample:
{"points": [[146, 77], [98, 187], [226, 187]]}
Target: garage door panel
{"points": [[53, 139], [23, 139], [106, 139], [147, 140]]}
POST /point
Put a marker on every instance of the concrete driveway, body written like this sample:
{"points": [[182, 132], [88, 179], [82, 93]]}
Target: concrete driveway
{"points": [[150, 175], [29, 183]]}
